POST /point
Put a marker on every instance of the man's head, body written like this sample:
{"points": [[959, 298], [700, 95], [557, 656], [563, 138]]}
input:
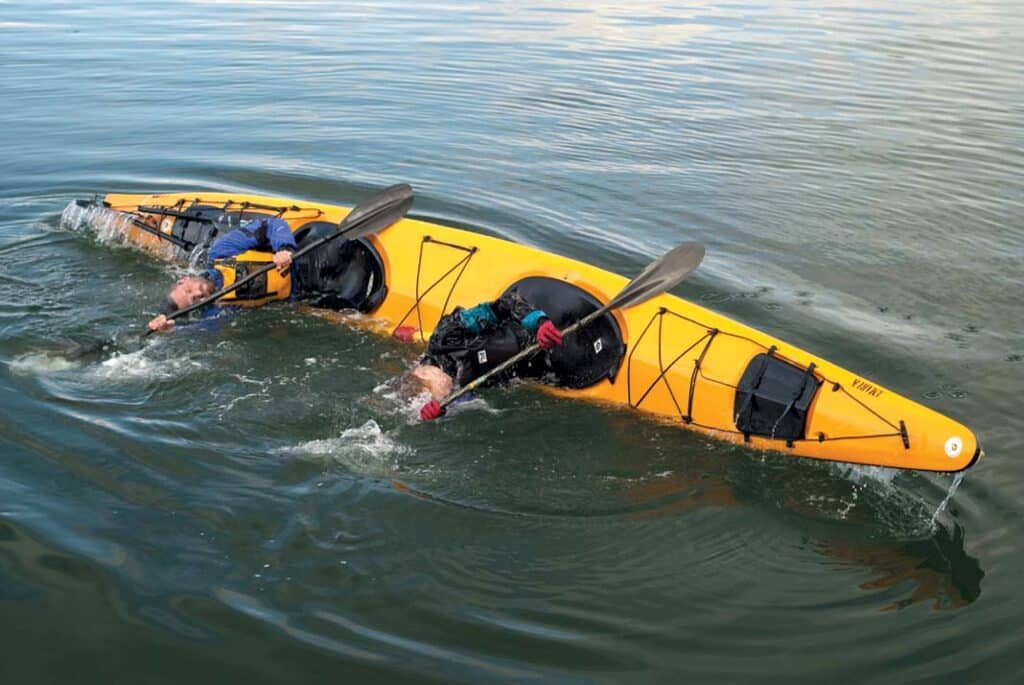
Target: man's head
{"points": [[188, 290], [430, 378]]}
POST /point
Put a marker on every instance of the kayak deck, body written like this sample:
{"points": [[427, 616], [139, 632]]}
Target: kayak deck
{"points": [[677, 360]]}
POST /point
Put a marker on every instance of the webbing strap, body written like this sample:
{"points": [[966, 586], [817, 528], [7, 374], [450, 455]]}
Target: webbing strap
{"points": [[758, 377], [163, 211], [278, 209], [139, 223], [809, 373]]}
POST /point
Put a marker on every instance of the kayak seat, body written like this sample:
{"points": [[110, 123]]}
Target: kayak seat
{"points": [[342, 274], [591, 354], [773, 396]]}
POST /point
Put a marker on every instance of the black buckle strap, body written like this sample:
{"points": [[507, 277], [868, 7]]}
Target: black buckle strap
{"points": [[163, 211], [809, 373], [752, 391], [174, 240]]}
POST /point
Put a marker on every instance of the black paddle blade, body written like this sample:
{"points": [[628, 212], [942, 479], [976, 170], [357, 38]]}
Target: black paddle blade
{"points": [[661, 275], [377, 213], [87, 352], [90, 351]]}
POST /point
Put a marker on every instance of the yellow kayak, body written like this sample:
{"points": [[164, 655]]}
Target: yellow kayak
{"points": [[666, 357]]}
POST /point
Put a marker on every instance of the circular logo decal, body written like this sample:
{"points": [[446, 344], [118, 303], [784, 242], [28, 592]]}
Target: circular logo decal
{"points": [[954, 446]]}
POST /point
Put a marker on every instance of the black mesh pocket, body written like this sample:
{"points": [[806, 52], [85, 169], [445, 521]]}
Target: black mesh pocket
{"points": [[772, 398]]}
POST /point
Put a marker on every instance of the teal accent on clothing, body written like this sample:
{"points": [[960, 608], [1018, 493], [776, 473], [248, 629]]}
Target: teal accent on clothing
{"points": [[531, 321], [476, 317]]}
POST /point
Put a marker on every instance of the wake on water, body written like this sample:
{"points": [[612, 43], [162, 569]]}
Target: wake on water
{"points": [[139, 364], [108, 227], [906, 510], [372, 451], [34, 363], [368, 450]]}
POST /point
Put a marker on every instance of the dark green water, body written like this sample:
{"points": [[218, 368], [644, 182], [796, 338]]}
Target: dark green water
{"points": [[252, 505]]}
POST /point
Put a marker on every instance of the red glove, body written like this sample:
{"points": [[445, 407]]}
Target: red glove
{"points": [[404, 333], [431, 410], [548, 336]]}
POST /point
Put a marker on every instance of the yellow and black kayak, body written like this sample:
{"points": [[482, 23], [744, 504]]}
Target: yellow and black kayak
{"points": [[666, 357]]}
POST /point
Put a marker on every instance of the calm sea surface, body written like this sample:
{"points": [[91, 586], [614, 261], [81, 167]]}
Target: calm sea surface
{"points": [[251, 505]]}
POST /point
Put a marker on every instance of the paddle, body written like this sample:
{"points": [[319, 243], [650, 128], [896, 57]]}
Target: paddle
{"points": [[660, 275], [376, 214]]}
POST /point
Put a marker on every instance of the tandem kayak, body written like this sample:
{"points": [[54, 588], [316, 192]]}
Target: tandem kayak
{"points": [[667, 357]]}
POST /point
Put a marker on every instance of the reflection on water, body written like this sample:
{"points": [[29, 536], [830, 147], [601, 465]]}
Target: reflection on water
{"points": [[859, 521], [937, 568], [865, 526]]}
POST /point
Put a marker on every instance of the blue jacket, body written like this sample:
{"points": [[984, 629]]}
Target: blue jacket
{"points": [[268, 235]]}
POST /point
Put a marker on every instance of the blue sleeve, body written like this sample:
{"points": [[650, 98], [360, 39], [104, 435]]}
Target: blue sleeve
{"points": [[280, 234], [232, 244], [213, 318], [262, 234], [475, 318], [531, 321], [210, 318]]}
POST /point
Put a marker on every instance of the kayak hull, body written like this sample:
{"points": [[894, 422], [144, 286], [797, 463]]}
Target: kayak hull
{"points": [[678, 361]]}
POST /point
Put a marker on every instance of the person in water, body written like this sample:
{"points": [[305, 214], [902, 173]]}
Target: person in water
{"points": [[318, 276], [270, 234], [468, 343]]}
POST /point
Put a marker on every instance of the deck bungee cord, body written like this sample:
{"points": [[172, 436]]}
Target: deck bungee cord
{"points": [[809, 375], [422, 293]]}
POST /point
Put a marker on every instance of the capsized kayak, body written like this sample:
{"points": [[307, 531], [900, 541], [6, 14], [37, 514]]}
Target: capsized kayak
{"points": [[666, 357]]}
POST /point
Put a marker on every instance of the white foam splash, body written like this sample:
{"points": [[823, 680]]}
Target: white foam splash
{"points": [[398, 402], [109, 227], [957, 480], [137, 365], [40, 362], [860, 474], [366, 450]]}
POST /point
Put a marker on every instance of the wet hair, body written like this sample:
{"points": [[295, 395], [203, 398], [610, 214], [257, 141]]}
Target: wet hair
{"points": [[168, 307]]}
